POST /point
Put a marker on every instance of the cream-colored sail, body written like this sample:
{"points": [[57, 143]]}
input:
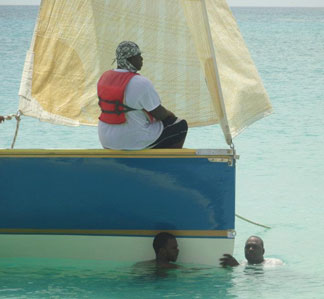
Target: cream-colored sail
{"points": [[193, 53]]}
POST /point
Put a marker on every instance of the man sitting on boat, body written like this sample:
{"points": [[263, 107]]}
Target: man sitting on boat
{"points": [[254, 251], [132, 116], [166, 252]]}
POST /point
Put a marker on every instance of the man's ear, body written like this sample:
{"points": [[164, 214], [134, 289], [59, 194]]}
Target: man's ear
{"points": [[162, 251]]}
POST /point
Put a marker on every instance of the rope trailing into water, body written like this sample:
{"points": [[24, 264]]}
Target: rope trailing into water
{"points": [[17, 116], [239, 216], [250, 221]]}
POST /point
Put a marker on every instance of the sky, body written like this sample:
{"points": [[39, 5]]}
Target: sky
{"points": [[282, 3]]}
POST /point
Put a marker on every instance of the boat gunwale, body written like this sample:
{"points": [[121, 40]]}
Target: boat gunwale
{"points": [[223, 233], [107, 153]]}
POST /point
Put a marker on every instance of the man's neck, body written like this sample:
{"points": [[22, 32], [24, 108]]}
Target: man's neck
{"points": [[161, 260]]}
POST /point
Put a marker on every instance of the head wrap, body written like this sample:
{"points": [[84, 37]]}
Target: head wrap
{"points": [[127, 49]]}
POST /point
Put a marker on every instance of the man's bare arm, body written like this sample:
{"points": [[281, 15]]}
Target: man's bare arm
{"points": [[161, 113]]}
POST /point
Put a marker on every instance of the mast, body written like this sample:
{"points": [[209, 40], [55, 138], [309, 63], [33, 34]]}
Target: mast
{"points": [[224, 121]]}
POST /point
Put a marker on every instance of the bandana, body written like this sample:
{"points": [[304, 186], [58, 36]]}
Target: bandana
{"points": [[126, 50]]}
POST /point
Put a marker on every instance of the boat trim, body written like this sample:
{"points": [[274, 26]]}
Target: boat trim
{"points": [[142, 233], [106, 153]]}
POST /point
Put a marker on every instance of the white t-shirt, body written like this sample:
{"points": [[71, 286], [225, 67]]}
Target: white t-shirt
{"points": [[266, 262], [137, 132]]}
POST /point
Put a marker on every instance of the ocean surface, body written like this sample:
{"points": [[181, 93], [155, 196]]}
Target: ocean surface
{"points": [[280, 174]]}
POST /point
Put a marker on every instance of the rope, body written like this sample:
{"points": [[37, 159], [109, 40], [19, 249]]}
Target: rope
{"points": [[250, 221], [18, 119]]}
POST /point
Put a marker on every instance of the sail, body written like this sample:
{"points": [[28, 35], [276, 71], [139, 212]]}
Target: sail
{"points": [[193, 53], [234, 83]]}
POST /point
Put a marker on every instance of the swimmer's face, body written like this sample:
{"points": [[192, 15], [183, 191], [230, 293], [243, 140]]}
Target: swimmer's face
{"points": [[254, 250], [172, 250]]}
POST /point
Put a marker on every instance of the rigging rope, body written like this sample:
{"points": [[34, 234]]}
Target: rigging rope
{"points": [[17, 117], [250, 221], [237, 215]]}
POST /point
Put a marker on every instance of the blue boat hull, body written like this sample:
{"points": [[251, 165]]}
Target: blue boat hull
{"points": [[114, 194]]}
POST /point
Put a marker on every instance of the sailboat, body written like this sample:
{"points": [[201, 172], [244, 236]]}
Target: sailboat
{"points": [[109, 204]]}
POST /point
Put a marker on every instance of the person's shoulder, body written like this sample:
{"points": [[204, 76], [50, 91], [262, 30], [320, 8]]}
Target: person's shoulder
{"points": [[170, 266], [143, 81], [153, 263], [145, 263]]}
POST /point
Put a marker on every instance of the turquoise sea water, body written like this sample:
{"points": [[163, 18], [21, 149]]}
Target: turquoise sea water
{"points": [[280, 174]]}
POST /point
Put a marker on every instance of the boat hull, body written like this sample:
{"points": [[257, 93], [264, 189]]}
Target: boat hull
{"points": [[101, 204]]}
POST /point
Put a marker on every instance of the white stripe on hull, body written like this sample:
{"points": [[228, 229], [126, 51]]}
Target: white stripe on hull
{"points": [[192, 250]]}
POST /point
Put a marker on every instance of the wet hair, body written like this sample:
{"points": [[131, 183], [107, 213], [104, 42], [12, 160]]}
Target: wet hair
{"points": [[256, 237], [161, 240]]}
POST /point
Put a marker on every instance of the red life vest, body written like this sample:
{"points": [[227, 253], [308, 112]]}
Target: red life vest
{"points": [[111, 89]]}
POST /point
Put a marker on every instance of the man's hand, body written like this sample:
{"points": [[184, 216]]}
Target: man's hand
{"points": [[228, 260], [1, 119]]}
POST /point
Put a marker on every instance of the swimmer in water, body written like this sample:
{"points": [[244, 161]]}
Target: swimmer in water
{"points": [[254, 254], [166, 252]]}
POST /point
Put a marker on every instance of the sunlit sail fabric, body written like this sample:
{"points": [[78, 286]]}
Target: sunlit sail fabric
{"points": [[75, 40]]}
